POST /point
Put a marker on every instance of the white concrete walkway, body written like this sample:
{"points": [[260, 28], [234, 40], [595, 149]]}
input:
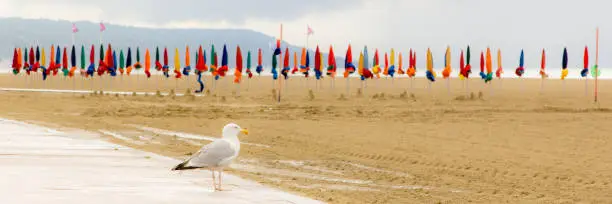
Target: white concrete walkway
{"points": [[40, 165]]}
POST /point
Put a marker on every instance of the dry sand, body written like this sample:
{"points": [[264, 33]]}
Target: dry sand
{"points": [[507, 142]]}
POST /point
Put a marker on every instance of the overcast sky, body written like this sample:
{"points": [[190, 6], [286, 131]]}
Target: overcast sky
{"points": [[507, 24]]}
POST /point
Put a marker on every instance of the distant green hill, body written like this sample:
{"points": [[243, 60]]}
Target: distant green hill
{"points": [[17, 32]]}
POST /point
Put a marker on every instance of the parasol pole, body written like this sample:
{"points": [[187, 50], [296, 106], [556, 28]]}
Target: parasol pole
{"points": [[348, 84], [467, 85], [91, 85], [158, 81], [586, 85], [214, 86], [362, 85], [101, 31], [542, 85], [596, 62], [448, 85], [280, 57]]}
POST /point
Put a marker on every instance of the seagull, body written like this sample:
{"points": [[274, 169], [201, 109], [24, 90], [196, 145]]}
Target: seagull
{"points": [[216, 155]]}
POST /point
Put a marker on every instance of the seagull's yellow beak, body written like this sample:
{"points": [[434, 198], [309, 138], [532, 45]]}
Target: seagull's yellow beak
{"points": [[245, 131]]}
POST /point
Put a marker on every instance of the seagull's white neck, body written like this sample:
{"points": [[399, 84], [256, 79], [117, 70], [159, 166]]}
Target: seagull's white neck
{"points": [[230, 133], [232, 136]]}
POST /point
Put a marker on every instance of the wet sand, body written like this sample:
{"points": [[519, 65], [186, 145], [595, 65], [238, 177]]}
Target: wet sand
{"points": [[506, 142]]}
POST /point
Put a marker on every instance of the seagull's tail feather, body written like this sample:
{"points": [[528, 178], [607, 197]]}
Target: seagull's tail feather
{"points": [[183, 166]]}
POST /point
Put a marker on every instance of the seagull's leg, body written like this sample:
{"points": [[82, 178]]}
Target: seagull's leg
{"points": [[214, 179], [220, 179]]}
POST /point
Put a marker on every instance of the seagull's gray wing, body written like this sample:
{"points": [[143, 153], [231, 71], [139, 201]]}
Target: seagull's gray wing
{"points": [[212, 154]]}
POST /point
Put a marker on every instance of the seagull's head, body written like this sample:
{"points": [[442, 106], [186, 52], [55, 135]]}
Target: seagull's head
{"points": [[232, 130]]}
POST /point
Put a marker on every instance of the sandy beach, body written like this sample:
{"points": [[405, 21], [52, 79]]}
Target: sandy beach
{"points": [[392, 141], [45, 165]]}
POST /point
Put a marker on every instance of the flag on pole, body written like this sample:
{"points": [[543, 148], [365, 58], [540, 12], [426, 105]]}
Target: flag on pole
{"points": [[309, 30], [74, 28], [102, 27]]}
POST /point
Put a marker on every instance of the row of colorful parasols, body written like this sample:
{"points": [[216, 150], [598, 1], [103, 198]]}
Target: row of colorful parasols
{"points": [[113, 62]]}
